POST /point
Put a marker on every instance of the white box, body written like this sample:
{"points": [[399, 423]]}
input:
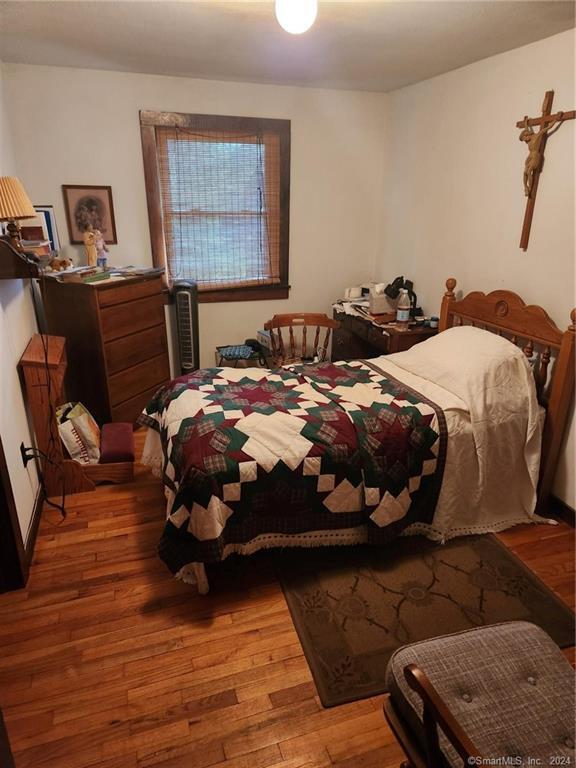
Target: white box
{"points": [[380, 304], [263, 338]]}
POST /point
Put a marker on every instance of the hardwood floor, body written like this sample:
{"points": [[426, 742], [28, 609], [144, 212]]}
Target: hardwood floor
{"points": [[107, 661]]}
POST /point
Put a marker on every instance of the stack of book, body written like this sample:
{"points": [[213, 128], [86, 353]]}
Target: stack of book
{"points": [[37, 247], [131, 271], [87, 274]]}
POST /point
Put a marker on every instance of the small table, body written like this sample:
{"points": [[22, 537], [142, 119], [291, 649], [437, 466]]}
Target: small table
{"points": [[232, 356], [357, 337]]}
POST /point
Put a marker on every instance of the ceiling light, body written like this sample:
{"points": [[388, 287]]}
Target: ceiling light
{"points": [[296, 16]]}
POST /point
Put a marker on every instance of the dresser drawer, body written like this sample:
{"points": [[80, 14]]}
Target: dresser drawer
{"points": [[355, 325], [347, 346], [123, 319], [124, 385], [379, 339], [123, 292], [131, 409], [130, 350]]}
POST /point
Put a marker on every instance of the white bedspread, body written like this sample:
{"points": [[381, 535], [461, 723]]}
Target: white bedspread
{"points": [[494, 427]]}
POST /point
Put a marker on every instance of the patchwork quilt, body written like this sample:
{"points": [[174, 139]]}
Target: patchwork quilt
{"points": [[255, 452]]}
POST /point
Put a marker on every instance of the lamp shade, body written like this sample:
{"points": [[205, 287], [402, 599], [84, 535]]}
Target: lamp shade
{"points": [[14, 202]]}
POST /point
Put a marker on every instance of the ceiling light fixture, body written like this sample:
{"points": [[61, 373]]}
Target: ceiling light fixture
{"points": [[296, 16]]}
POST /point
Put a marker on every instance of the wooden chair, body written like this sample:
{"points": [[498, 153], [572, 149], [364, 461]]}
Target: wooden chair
{"points": [[299, 349], [493, 691], [435, 716]]}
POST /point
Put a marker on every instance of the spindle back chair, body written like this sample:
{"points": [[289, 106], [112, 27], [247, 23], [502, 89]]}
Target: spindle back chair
{"points": [[299, 349]]}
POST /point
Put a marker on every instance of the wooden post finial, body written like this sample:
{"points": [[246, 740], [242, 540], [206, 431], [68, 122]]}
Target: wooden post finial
{"points": [[573, 319], [447, 301]]}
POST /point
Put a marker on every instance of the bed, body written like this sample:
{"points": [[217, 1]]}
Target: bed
{"points": [[459, 435]]}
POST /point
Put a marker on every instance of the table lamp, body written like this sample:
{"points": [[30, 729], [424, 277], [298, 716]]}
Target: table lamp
{"points": [[14, 205]]}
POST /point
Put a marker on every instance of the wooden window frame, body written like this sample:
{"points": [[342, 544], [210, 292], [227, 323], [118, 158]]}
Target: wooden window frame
{"points": [[149, 121]]}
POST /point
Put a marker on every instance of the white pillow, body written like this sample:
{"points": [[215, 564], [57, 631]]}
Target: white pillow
{"points": [[462, 350]]}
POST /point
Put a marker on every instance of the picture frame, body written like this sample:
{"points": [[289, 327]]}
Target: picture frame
{"points": [[89, 204], [43, 227]]}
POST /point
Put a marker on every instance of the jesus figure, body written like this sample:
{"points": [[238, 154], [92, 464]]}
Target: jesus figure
{"points": [[535, 141]]}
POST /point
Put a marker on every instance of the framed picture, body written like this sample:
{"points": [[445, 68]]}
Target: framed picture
{"points": [[89, 205], [43, 227]]}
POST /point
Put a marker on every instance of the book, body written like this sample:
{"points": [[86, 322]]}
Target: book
{"points": [[96, 277], [136, 271], [72, 274], [37, 247]]}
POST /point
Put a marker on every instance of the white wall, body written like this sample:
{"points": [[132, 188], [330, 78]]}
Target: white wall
{"points": [[425, 181], [17, 325], [454, 200], [90, 134], [6, 148]]}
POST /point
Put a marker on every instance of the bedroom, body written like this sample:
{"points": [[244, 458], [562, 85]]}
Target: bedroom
{"points": [[405, 159]]}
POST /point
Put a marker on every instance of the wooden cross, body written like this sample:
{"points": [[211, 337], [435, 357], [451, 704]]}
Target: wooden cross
{"points": [[536, 143]]}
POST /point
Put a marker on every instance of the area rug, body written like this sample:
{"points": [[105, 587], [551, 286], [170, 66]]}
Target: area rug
{"points": [[352, 607]]}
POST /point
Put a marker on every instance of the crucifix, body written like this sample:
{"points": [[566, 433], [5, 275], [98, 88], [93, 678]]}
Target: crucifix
{"points": [[536, 143]]}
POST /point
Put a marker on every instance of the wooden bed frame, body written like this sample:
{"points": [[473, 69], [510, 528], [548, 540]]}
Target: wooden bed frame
{"points": [[530, 327]]}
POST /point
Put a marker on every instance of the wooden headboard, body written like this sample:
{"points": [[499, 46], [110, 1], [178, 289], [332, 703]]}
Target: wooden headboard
{"points": [[530, 327]]}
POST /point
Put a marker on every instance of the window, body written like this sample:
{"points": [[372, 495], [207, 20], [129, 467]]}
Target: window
{"points": [[218, 191]]}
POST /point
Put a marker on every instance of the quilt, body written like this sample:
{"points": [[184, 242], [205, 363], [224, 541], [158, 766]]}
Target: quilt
{"points": [[255, 452]]}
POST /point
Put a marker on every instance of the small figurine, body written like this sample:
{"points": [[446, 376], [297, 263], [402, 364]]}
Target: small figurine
{"points": [[90, 246], [101, 248], [535, 142]]}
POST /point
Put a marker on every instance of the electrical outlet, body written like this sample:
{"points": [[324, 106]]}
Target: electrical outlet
{"points": [[26, 457]]}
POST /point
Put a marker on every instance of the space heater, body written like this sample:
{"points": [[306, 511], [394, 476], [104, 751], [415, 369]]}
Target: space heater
{"points": [[186, 304]]}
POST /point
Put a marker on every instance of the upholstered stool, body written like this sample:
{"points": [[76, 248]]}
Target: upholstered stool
{"points": [[499, 691], [116, 443], [116, 463]]}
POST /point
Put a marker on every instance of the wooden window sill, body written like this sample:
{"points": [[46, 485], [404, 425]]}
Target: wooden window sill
{"points": [[262, 293]]}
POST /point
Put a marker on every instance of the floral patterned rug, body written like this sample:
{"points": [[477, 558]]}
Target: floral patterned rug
{"points": [[352, 607]]}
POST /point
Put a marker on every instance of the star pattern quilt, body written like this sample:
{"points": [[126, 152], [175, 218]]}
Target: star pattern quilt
{"points": [[253, 452]]}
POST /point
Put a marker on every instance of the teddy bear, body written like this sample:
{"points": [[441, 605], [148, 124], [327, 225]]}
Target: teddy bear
{"points": [[58, 265]]}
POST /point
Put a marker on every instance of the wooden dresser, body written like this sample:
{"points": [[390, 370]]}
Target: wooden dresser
{"points": [[116, 343], [358, 338]]}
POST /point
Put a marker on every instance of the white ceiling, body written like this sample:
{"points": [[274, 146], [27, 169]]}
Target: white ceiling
{"points": [[376, 46]]}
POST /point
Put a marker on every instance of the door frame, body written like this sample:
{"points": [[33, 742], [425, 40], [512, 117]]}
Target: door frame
{"points": [[6, 756], [14, 560]]}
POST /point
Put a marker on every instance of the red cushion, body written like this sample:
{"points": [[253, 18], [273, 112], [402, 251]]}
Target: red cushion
{"points": [[116, 443]]}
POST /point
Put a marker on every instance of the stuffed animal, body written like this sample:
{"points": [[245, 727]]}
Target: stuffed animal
{"points": [[58, 265]]}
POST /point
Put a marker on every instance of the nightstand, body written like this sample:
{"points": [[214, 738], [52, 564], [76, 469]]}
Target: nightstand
{"points": [[358, 338]]}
